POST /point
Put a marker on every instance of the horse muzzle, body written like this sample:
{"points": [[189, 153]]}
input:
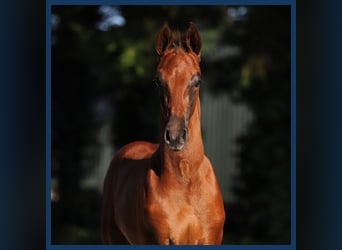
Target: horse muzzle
{"points": [[176, 133]]}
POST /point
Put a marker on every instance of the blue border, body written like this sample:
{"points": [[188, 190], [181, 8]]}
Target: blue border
{"points": [[157, 247], [292, 3], [293, 125], [170, 2], [48, 125]]}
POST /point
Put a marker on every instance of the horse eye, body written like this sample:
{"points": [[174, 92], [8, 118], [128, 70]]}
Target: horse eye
{"points": [[197, 83], [156, 82]]}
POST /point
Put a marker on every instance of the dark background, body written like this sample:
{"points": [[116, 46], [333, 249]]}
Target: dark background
{"points": [[102, 75], [23, 125]]}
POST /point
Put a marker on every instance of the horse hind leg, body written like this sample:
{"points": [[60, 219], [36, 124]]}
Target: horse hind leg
{"points": [[114, 236], [117, 237], [110, 233]]}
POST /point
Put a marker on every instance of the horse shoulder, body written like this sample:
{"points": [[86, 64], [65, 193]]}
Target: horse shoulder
{"points": [[132, 164], [211, 183], [211, 198], [131, 159], [209, 176], [137, 150]]}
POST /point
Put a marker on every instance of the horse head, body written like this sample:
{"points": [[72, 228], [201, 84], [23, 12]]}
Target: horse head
{"points": [[178, 78]]}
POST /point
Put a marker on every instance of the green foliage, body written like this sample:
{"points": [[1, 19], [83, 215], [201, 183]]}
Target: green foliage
{"points": [[262, 187]]}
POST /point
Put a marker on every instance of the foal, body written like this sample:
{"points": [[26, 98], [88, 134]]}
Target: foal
{"points": [[167, 193]]}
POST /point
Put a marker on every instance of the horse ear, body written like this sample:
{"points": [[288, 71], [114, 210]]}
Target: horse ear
{"points": [[163, 39], [193, 39]]}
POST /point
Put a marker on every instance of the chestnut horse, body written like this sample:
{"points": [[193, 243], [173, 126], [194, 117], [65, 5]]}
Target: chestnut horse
{"points": [[167, 193]]}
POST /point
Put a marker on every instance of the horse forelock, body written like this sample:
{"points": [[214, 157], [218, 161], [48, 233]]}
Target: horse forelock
{"points": [[178, 41]]}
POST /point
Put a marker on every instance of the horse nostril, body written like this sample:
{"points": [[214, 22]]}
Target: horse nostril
{"points": [[167, 136], [175, 133], [184, 135]]}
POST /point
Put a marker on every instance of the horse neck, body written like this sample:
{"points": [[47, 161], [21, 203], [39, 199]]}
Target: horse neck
{"points": [[183, 165]]}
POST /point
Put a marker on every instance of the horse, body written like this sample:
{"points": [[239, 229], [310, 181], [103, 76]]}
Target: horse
{"points": [[167, 193]]}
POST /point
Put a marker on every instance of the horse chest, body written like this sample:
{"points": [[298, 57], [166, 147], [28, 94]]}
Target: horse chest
{"points": [[175, 219]]}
